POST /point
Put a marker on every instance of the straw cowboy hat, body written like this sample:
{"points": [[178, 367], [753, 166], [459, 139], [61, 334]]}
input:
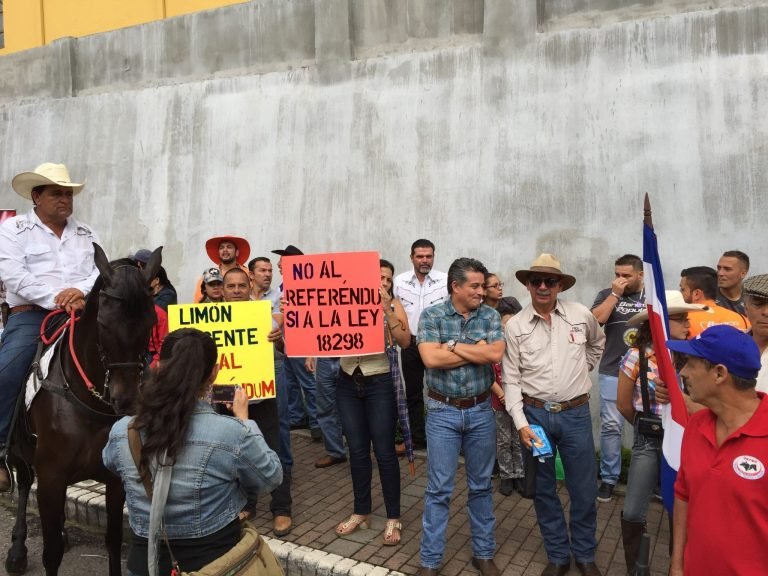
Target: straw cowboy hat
{"points": [[546, 264], [675, 305], [44, 175], [243, 248]]}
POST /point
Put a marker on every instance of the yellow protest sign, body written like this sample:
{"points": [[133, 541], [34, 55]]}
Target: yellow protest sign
{"points": [[240, 331]]}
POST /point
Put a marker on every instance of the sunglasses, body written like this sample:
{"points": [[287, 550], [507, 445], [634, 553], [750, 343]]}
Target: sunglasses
{"points": [[536, 281]]}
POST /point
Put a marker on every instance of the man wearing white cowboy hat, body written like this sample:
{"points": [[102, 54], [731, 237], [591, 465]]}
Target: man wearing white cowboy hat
{"points": [[46, 262], [551, 347]]}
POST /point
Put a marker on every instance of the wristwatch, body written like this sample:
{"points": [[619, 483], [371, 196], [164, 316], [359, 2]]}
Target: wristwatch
{"points": [[451, 345]]}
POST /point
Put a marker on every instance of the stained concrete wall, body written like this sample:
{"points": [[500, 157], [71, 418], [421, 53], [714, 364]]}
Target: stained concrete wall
{"points": [[343, 125]]}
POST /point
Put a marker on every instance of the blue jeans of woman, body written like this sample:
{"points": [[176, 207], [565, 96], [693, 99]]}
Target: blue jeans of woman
{"points": [[570, 431], [368, 413], [449, 430], [643, 476]]}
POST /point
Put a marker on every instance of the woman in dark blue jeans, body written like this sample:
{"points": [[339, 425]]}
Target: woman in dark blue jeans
{"points": [[365, 398]]}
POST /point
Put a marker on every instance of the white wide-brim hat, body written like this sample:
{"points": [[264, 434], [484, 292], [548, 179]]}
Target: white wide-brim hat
{"points": [[44, 175], [675, 305]]}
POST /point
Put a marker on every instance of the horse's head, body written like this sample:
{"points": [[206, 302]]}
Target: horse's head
{"points": [[126, 316]]}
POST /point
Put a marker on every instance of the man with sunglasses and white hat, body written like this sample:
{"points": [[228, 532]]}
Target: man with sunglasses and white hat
{"points": [[46, 262], [551, 347]]}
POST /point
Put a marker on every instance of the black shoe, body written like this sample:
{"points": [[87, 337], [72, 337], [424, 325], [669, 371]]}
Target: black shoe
{"points": [[506, 486], [299, 425], [589, 568], [427, 571], [519, 485], [556, 569], [316, 434], [605, 493]]}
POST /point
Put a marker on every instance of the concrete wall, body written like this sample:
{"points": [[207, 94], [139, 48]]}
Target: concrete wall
{"points": [[342, 125]]}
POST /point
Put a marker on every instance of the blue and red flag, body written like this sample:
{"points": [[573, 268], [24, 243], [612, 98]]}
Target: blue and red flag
{"points": [[675, 414]]}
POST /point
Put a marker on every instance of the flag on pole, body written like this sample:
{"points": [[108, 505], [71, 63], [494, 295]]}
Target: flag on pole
{"points": [[675, 414]]}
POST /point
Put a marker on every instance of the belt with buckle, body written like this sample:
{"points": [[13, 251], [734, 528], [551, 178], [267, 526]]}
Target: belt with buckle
{"points": [[555, 407], [460, 403], [27, 308]]}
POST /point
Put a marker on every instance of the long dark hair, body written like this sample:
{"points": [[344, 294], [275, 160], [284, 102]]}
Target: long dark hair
{"points": [[168, 399], [387, 264]]}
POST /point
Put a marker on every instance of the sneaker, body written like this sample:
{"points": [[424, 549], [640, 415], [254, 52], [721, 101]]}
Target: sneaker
{"points": [[605, 493]]}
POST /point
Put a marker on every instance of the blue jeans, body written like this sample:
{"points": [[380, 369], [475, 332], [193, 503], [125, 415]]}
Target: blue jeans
{"points": [[19, 343], [449, 430], [368, 413], [300, 383], [570, 432], [611, 422], [326, 379], [643, 476], [285, 454]]}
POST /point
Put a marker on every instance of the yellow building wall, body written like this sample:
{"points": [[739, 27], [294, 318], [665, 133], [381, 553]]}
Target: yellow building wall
{"points": [[23, 25], [179, 7], [30, 23], [82, 17]]}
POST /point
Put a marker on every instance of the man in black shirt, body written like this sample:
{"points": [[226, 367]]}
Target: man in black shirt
{"points": [[612, 308]]}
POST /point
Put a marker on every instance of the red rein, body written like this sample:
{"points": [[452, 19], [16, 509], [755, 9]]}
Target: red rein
{"points": [[59, 330]]}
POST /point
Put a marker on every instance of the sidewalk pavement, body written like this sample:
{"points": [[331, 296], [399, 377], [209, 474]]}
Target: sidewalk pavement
{"points": [[323, 497]]}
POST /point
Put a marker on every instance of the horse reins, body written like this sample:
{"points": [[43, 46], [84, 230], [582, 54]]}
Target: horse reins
{"points": [[73, 354]]}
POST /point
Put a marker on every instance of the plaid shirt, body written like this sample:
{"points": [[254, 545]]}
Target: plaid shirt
{"points": [[630, 365], [441, 323]]}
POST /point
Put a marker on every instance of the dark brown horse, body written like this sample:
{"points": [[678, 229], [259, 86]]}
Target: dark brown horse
{"points": [[92, 381]]}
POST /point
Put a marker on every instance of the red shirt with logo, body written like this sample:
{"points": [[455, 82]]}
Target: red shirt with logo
{"points": [[726, 488]]}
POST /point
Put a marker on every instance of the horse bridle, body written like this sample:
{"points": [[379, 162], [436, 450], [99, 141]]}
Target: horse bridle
{"points": [[110, 366]]}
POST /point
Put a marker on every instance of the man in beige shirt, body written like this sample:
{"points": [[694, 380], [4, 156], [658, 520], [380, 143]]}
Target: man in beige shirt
{"points": [[551, 347]]}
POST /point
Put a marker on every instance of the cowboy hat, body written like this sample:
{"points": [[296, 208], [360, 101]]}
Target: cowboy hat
{"points": [[243, 248], [44, 175], [675, 305], [546, 264], [290, 250]]}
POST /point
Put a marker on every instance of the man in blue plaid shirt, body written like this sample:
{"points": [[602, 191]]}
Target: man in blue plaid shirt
{"points": [[459, 341]]}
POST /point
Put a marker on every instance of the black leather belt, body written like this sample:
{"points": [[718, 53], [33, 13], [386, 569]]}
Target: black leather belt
{"points": [[556, 407], [460, 403], [28, 308]]}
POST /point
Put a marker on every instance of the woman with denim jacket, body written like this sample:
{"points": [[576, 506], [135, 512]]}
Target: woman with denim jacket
{"points": [[218, 461], [365, 398], [644, 469]]}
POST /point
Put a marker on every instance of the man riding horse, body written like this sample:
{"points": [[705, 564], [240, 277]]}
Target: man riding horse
{"points": [[46, 263]]}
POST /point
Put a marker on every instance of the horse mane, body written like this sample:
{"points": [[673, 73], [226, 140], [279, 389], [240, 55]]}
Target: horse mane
{"points": [[129, 289]]}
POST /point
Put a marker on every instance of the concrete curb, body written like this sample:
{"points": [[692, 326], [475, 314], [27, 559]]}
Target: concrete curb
{"points": [[86, 505]]}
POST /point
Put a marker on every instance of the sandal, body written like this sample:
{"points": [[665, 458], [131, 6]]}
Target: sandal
{"points": [[392, 532], [351, 524]]}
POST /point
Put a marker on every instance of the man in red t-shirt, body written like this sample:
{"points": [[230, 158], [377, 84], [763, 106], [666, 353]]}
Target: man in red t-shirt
{"points": [[721, 493]]}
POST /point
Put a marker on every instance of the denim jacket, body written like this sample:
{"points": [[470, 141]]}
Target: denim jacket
{"points": [[223, 462]]}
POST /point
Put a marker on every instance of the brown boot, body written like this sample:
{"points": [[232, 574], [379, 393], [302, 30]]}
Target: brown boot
{"points": [[631, 535], [5, 479]]}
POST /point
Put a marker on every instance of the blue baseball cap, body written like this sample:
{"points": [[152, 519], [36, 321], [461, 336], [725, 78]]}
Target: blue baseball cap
{"points": [[726, 345]]}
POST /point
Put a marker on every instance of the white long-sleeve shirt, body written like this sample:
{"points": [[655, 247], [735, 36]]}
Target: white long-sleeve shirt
{"points": [[36, 265], [415, 296]]}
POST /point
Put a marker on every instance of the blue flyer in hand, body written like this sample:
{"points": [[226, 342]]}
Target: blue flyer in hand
{"points": [[542, 449]]}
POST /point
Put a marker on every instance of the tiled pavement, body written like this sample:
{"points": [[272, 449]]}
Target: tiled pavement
{"points": [[323, 498]]}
